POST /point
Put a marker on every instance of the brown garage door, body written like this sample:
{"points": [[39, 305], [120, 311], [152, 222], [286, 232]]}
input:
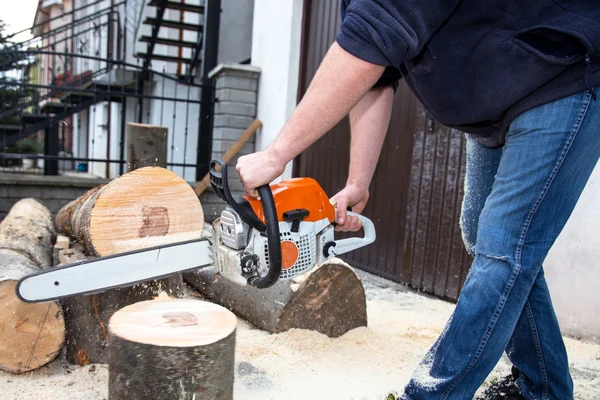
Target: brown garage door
{"points": [[417, 187]]}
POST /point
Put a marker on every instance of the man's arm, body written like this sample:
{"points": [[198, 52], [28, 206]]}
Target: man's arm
{"points": [[340, 82], [373, 35], [369, 121]]}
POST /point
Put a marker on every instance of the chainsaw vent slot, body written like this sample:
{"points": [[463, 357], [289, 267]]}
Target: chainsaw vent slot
{"points": [[307, 254]]}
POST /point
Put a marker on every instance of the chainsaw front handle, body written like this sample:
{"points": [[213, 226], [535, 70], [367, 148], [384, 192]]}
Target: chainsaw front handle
{"points": [[220, 184], [273, 241], [346, 245], [270, 228]]}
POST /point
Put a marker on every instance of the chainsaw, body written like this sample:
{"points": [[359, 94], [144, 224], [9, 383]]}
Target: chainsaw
{"points": [[284, 232]]}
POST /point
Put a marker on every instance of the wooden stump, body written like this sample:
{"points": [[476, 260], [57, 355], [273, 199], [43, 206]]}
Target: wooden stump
{"points": [[147, 207], [31, 334], [146, 145], [329, 299], [172, 349]]}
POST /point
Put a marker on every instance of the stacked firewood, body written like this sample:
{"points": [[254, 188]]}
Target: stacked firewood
{"points": [[183, 325]]}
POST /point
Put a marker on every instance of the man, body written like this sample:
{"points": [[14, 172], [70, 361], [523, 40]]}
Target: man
{"points": [[519, 77]]}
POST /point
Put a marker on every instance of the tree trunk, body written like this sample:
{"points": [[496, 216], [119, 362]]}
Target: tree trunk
{"points": [[147, 207], [86, 317], [172, 349], [31, 334], [329, 299]]}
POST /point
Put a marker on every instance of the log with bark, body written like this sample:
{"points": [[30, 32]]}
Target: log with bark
{"points": [[172, 349], [329, 299], [146, 207], [31, 334]]}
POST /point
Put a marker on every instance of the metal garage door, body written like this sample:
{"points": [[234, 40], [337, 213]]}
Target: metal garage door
{"points": [[417, 187]]}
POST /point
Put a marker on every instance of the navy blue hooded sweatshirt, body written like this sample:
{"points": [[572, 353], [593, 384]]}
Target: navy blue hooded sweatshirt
{"points": [[477, 64]]}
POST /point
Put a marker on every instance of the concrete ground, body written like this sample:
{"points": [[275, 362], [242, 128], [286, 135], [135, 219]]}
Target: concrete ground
{"points": [[363, 364]]}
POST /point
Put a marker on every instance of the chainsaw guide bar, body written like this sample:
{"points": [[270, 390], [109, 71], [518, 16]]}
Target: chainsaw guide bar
{"points": [[115, 271]]}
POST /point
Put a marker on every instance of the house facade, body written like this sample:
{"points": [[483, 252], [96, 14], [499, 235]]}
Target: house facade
{"points": [[133, 61]]}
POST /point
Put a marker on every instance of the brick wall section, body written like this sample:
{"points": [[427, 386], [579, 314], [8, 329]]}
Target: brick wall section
{"points": [[235, 110], [53, 191]]}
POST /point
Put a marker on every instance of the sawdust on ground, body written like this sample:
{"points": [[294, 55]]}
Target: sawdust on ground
{"points": [[363, 364]]}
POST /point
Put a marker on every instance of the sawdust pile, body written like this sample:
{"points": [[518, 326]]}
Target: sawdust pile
{"points": [[300, 365]]}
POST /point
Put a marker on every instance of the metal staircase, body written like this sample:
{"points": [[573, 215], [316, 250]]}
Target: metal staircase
{"points": [[189, 41]]}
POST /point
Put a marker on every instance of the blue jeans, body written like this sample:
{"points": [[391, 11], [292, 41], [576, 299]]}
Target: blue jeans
{"points": [[517, 200]]}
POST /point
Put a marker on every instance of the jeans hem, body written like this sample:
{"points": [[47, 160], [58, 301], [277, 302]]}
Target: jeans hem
{"points": [[516, 269], [538, 350]]}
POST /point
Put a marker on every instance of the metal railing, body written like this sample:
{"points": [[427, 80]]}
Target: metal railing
{"points": [[83, 97]]}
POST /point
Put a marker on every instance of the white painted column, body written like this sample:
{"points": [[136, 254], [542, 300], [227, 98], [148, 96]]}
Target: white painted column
{"points": [[276, 38], [572, 268]]}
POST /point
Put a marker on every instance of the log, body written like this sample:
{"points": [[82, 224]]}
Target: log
{"points": [[146, 145], [31, 334], [329, 299], [147, 207], [87, 317], [64, 217], [172, 349]]}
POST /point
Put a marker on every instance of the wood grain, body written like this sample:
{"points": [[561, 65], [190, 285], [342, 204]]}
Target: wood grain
{"points": [[173, 322], [147, 207], [87, 317], [31, 334]]}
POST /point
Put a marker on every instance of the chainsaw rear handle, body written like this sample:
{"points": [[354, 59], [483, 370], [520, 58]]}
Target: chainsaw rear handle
{"points": [[218, 180], [345, 245]]}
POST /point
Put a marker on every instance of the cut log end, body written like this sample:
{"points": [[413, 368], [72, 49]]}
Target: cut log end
{"points": [[334, 298], [32, 334], [173, 322], [147, 207], [172, 349], [329, 299]]}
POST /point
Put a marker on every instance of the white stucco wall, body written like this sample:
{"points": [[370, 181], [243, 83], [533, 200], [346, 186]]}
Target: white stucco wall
{"points": [[573, 267], [235, 33], [276, 38]]}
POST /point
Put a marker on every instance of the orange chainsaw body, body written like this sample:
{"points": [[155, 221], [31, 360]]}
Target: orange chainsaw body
{"points": [[296, 193]]}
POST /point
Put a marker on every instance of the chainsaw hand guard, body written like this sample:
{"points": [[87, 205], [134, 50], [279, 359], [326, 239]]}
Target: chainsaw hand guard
{"points": [[342, 246], [270, 228]]}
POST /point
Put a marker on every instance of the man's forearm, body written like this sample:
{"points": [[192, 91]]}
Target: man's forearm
{"points": [[341, 81], [369, 121]]}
